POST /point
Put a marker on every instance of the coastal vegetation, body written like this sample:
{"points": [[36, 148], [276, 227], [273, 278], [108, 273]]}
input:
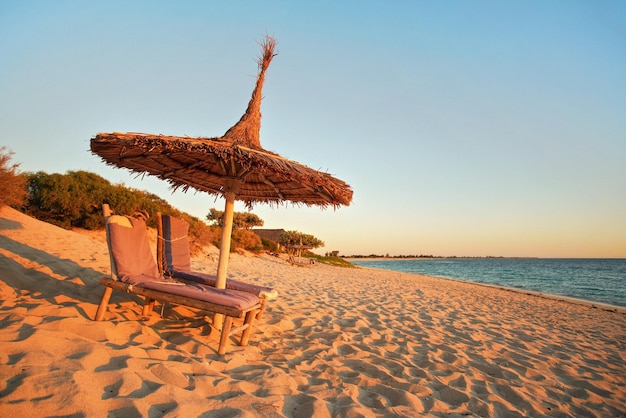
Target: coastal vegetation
{"points": [[74, 200], [329, 259], [295, 238], [297, 243]]}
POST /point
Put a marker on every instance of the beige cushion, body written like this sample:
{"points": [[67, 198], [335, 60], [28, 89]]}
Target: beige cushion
{"points": [[130, 247]]}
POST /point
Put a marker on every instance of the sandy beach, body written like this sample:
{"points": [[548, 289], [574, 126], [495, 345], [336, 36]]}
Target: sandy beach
{"points": [[337, 343]]}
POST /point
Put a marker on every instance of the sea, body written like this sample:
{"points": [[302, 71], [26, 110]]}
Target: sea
{"points": [[593, 280]]}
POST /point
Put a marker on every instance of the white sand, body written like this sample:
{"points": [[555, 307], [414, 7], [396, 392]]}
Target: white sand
{"points": [[337, 342]]}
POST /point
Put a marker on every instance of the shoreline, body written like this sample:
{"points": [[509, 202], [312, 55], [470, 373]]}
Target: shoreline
{"points": [[336, 342], [571, 299]]}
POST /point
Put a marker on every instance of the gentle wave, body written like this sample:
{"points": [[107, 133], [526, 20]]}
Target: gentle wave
{"points": [[595, 280]]}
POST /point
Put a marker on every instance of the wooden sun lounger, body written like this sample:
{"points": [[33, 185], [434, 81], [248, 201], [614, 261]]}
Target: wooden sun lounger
{"points": [[174, 260], [153, 286], [151, 295]]}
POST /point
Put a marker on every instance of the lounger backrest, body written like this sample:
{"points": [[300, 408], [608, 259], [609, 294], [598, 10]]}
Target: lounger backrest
{"points": [[176, 243], [130, 249]]}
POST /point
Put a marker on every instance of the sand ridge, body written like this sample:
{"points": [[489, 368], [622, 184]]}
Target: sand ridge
{"points": [[338, 342]]}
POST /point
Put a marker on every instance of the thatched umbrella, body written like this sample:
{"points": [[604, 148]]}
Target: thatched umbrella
{"points": [[234, 166]]}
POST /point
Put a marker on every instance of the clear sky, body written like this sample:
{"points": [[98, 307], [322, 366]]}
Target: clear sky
{"points": [[464, 127]]}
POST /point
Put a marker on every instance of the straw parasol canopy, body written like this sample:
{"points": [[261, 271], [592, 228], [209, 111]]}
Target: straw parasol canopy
{"points": [[213, 164], [234, 165]]}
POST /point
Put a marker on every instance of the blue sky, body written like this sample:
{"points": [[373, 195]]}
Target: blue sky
{"points": [[464, 128]]}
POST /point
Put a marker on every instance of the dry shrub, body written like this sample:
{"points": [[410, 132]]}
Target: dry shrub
{"points": [[246, 240], [13, 191], [201, 235]]}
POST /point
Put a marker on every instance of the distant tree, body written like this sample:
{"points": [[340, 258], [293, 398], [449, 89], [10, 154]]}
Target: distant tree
{"points": [[13, 191], [241, 220], [242, 237], [291, 238]]}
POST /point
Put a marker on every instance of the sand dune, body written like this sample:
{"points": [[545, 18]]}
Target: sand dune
{"points": [[337, 342]]}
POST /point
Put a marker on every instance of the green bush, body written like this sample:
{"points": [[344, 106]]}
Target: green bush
{"points": [[74, 200], [269, 245]]}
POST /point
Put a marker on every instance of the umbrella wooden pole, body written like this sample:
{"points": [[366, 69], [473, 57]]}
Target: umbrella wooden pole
{"points": [[227, 231], [222, 266]]}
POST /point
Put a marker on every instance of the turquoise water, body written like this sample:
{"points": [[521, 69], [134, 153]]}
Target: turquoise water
{"points": [[595, 280]]}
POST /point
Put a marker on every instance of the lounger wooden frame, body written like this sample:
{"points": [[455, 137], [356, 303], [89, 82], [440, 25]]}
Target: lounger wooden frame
{"points": [[229, 313], [161, 263]]}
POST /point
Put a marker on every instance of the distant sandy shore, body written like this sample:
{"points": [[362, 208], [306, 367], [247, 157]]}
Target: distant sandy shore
{"points": [[338, 342]]}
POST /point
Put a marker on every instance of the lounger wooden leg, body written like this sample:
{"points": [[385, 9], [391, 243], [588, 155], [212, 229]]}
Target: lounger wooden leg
{"points": [[102, 308], [228, 322], [218, 320], [259, 313], [148, 305], [245, 336]]}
